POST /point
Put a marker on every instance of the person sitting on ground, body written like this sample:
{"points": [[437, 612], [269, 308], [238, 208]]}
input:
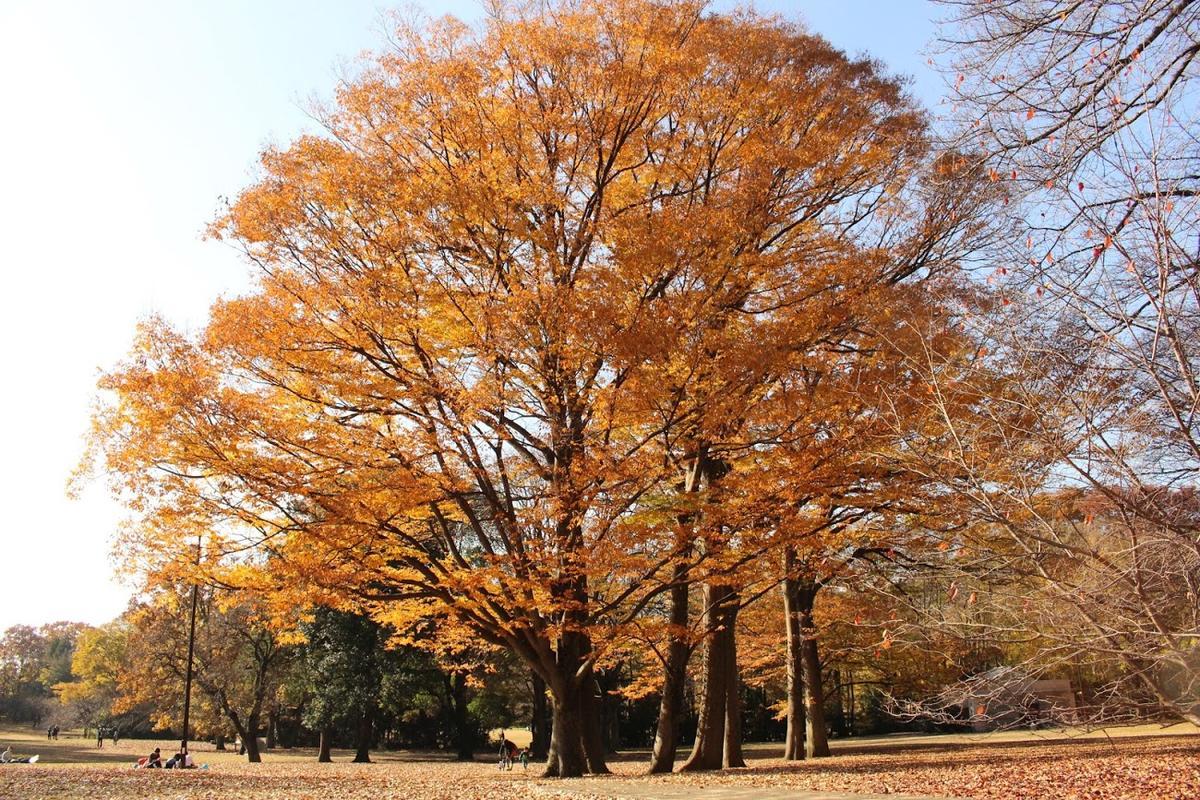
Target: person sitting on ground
{"points": [[7, 757], [154, 761], [174, 762]]}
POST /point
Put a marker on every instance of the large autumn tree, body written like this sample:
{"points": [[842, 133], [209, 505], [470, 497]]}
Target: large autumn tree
{"points": [[528, 280]]}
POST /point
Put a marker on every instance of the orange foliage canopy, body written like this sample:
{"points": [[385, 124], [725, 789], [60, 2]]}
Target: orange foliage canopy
{"points": [[521, 273]]}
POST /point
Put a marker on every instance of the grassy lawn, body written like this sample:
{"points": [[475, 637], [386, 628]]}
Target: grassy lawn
{"points": [[1141, 762]]}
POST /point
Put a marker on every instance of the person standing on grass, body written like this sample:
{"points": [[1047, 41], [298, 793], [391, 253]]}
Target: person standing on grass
{"points": [[100, 736], [505, 752]]}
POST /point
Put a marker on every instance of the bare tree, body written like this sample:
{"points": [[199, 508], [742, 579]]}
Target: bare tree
{"points": [[1069, 448]]}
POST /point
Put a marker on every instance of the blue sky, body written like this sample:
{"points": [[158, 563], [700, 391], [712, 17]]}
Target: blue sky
{"points": [[125, 122]]}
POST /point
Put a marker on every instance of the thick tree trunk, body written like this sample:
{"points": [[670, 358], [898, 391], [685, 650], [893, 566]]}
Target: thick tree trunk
{"points": [[666, 736], [362, 739], [326, 745], [566, 758], [576, 745], [539, 719], [709, 748], [250, 742], [462, 720], [591, 712], [816, 744], [793, 746], [219, 741]]}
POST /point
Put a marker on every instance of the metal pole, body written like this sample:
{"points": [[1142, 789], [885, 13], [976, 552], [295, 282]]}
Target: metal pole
{"points": [[187, 682]]}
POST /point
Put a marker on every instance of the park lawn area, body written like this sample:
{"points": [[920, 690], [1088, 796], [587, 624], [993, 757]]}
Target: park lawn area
{"points": [[1141, 762]]}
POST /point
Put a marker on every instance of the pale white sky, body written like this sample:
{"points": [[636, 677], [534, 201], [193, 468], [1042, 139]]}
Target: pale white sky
{"points": [[123, 123]]}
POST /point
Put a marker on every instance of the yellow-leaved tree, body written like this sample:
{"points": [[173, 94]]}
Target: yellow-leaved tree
{"points": [[532, 296]]}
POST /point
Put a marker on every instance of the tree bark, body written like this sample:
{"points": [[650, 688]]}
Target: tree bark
{"points": [[462, 732], [250, 742], [362, 738], [666, 736], [219, 741], [326, 745], [272, 729], [816, 743], [539, 719], [591, 713], [566, 758], [732, 751], [709, 748], [839, 710], [247, 732], [793, 746], [576, 745]]}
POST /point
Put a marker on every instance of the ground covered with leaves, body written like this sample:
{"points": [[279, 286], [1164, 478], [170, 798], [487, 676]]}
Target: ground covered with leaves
{"points": [[1165, 766], [1160, 767]]}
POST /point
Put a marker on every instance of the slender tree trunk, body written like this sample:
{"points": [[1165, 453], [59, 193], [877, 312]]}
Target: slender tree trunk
{"points": [[839, 711], [248, 733], [272, 729], [816, 743], [670, 709], [611, 707], [708, 750], [326, 745], [463, 740], [793, 746], [732, 750], [539, 719], [362, 738]]}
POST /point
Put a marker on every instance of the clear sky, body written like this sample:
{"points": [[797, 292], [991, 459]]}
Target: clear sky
{"points": [[123, 124]]}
